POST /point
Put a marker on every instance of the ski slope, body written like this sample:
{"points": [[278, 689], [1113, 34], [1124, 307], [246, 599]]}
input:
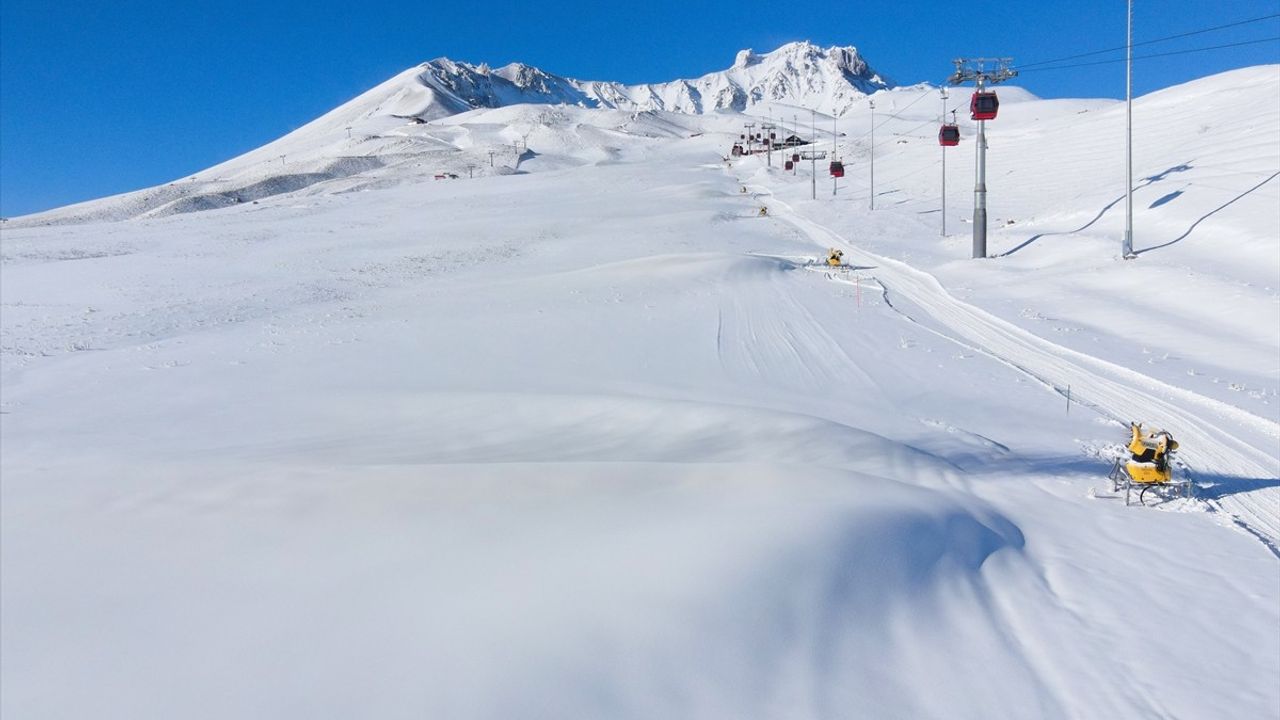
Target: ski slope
{"points": [[586, 436], [1227, 446]]}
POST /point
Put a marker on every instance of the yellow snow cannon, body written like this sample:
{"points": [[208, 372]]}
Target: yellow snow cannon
{"points": [[764, 210], [835, 257], [1150, 455], [1149, 464]]}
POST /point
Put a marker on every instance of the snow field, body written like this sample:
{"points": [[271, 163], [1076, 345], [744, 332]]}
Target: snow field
{"points": [[596, 441]]}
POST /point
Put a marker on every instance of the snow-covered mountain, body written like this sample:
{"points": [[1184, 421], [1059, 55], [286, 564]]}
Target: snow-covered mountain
{"points": [[829, 80], [426, 118]]}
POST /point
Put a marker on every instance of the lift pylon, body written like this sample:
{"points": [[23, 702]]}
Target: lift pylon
{"points": [[983, 107]]}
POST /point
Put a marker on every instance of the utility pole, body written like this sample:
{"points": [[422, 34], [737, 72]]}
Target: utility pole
{"points": [[975, 69], [1126, 249], [813, 155], [795, 125], [872, 103], [944, 166], [834, 132], [751, 136], [767, 128], [348, 132], [471, 171], [490, 158]]}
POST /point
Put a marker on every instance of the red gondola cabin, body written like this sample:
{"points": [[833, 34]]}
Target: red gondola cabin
{"points": [[837, 169], [789, 165], [949, 136], [984, 106]]}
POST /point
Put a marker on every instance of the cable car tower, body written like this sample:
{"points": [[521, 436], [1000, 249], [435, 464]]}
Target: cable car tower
{"points": [[982, 107]]}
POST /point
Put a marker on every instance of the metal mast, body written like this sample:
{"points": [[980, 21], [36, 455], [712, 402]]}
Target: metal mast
{"points": [[833, 151], [872, 103], [944, 167], [974, 69], [768, 141], [1126, 249], [813, 155]]}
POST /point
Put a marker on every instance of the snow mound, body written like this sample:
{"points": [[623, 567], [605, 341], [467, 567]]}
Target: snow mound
{"points": [[837, 572]]}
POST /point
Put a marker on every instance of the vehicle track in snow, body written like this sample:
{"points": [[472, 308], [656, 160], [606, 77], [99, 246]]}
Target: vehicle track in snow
{"points": [[1220, 443]]}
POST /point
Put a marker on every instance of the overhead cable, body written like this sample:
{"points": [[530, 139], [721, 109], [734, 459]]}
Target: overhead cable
{"points": [[1150, 42]]}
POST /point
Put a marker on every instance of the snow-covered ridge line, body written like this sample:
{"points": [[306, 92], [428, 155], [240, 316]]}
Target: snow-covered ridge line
{"points": [[829, 80]]}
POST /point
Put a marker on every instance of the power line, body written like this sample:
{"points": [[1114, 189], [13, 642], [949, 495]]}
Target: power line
{"points": [[1150, 42], [1157, 55], [897, 113], [894, 115]]}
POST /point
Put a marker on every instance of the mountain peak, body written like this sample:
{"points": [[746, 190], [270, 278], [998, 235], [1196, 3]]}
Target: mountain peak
{"points": [[745, 58], [798, 74], [797, 47], [845, 58]]}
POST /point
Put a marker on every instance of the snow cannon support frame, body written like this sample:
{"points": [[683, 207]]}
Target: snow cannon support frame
{"points": [[1150, 467]]}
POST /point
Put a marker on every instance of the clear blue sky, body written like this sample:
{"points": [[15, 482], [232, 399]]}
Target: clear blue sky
{"points": [[102, 97]]}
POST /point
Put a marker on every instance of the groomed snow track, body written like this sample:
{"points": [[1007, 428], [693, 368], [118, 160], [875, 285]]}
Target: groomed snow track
{"points": [[1220, 443]]}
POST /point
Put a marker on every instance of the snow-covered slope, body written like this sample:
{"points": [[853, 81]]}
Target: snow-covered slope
{"points": [[590, 437]]}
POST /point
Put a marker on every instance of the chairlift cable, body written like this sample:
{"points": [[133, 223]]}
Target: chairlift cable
{"points": [[1158, 55], [1149, 42], [1021, 68]]}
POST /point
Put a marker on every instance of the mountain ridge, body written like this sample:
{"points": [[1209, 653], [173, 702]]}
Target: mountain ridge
{"points": [[829, 80], [387, 125]]}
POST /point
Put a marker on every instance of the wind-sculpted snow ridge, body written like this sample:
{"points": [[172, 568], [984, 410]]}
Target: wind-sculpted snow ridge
{"points": [[805, 592], [196, 194]]}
